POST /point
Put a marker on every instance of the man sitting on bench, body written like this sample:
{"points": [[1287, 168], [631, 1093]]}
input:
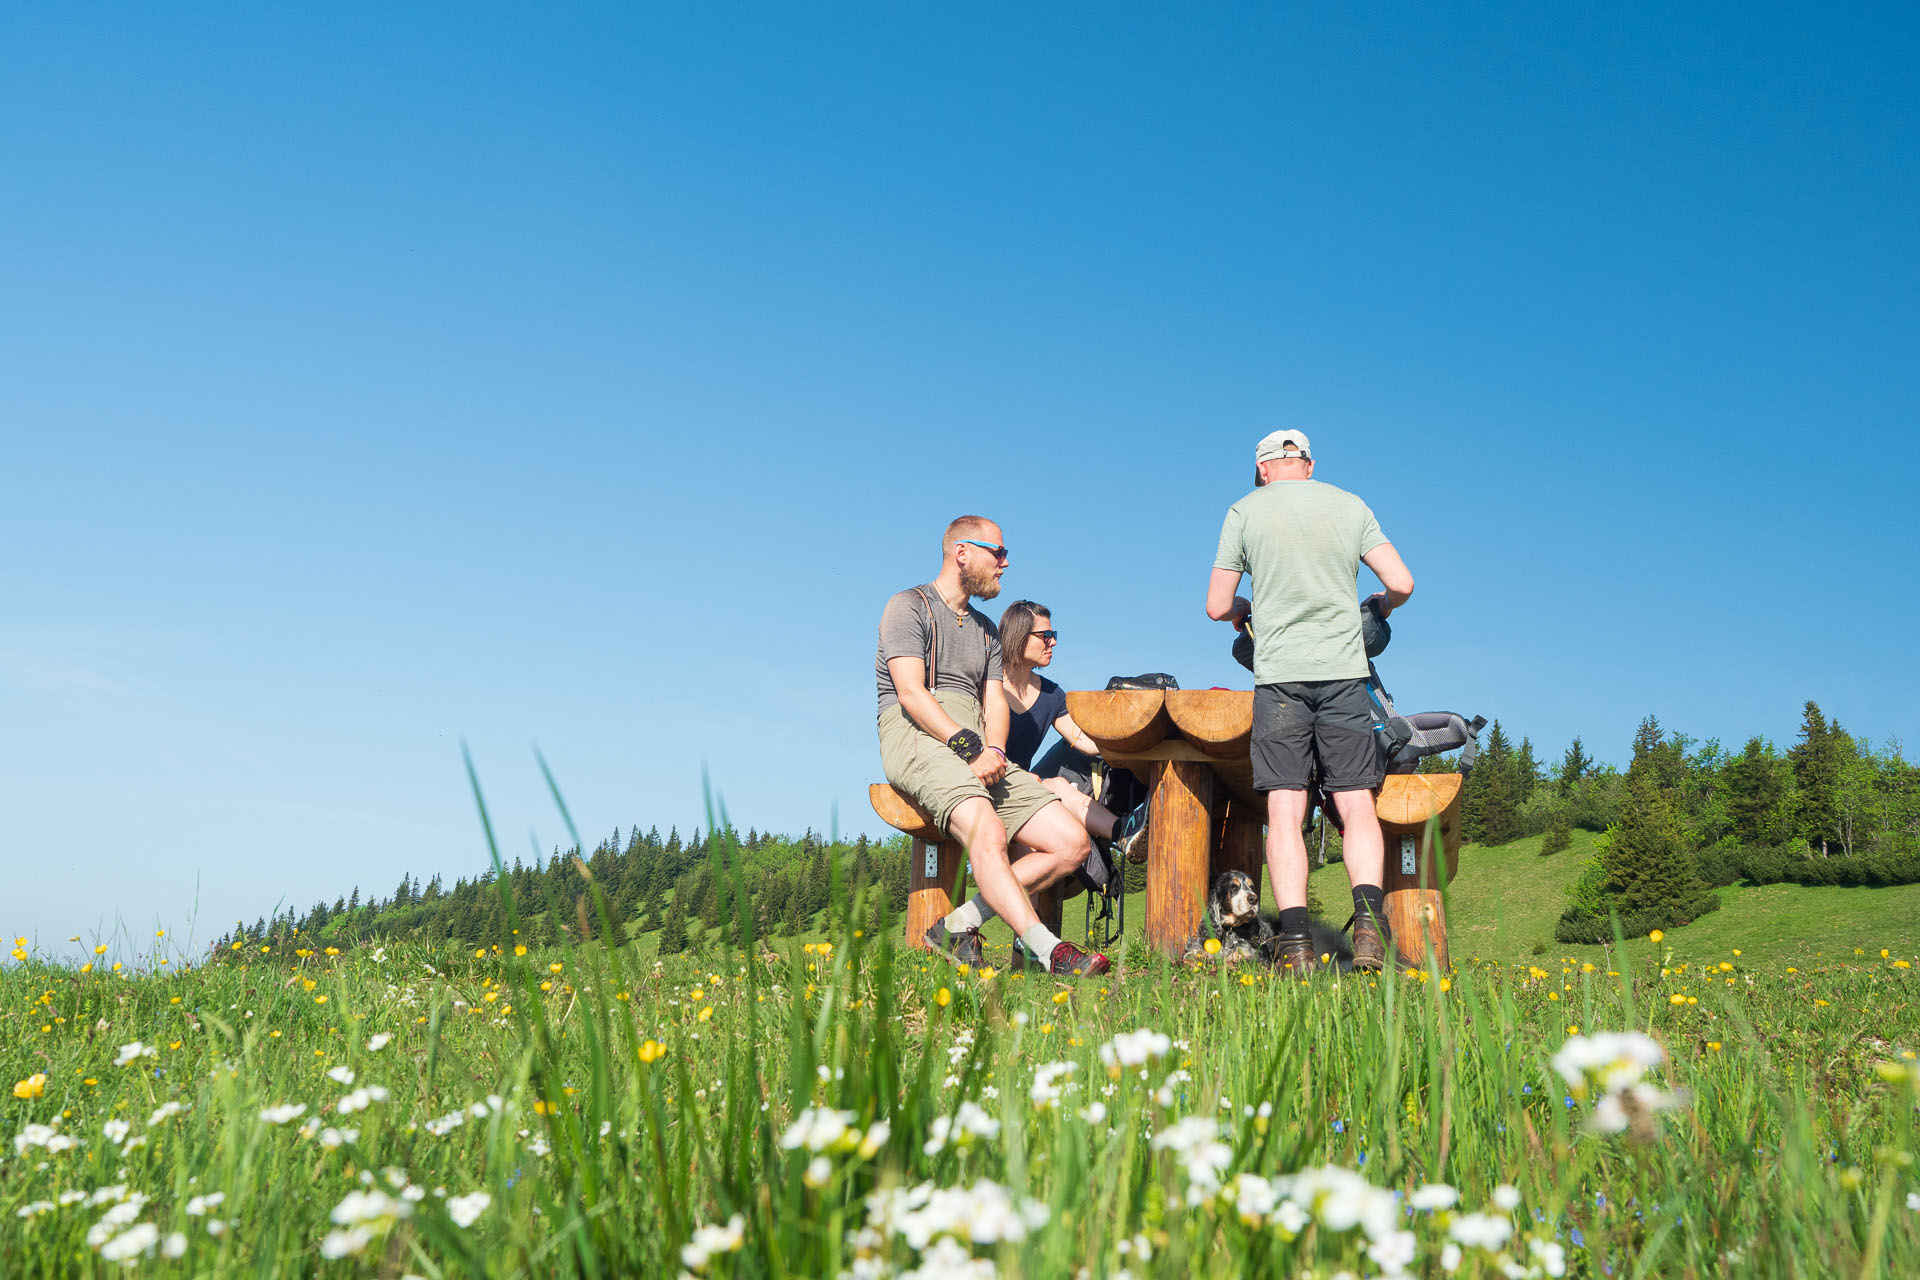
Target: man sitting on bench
{"points": [[943, 734]]}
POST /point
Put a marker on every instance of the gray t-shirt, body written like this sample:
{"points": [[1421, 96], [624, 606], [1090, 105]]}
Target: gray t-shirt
{"points": [[1302, 542], [969, 654]]}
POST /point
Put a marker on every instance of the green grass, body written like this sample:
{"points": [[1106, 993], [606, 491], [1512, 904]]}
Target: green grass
{"points": [[640, 1100]]}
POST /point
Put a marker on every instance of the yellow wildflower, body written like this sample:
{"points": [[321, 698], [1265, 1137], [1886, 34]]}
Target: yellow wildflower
{"points": [[1656, 936], [1213, 946], [651, 1051], [943, 997], [519, 948], [555, 967], [34, 1086]]}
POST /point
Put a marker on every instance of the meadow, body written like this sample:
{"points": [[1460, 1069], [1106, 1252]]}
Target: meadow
{"points": [[846, 1107]]}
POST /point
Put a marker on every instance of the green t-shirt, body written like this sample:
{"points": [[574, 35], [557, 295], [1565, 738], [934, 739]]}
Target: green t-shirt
{"points": [[1302, 542]]}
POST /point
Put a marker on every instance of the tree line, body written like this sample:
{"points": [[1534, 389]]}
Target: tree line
{"points": [[666, 886]]}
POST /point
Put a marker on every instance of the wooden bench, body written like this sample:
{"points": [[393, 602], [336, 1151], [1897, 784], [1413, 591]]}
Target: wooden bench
{"points": [[934, 864]]}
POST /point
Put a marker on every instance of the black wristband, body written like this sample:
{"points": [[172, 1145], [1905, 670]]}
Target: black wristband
{"points": [[967, 745]]}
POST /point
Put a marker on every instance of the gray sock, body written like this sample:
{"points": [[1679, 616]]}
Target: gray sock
{"points": [[970, 914], [1040, 942]]}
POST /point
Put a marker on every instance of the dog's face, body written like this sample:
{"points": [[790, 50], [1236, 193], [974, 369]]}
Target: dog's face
{"points": [[1234, 901]]}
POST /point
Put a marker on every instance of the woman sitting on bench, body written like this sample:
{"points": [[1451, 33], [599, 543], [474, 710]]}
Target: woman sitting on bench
{"points": [[1035, 703]]}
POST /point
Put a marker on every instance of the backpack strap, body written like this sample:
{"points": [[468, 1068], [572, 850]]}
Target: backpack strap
{"points": [[933, 639]]}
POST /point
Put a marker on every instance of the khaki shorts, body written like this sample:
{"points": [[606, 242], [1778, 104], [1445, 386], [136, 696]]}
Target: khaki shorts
{"points": [[937, 780]]}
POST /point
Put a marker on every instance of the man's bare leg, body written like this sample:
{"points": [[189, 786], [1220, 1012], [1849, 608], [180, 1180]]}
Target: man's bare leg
{"points": [[1366, 855], [978, 829], [1364, 848], [1287, 848]]}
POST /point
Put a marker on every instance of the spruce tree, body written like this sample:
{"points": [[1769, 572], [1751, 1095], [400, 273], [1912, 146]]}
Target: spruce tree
{"points": [[1649, 866], [1575, 765], [1817, 760], [1755, 786], [673, 934]]}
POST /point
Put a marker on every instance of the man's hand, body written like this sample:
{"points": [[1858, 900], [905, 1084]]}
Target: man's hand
{"points": [[989, 766], [1382, 602], [1242, 610]]}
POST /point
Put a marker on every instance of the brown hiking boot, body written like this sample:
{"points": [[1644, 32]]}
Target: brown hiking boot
{"points": [[1069, 959], [1293, 952], [1369, 943], [963, 947]]}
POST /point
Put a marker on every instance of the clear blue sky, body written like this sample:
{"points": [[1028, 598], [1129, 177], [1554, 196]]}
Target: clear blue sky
{"points": [[376, 378]]}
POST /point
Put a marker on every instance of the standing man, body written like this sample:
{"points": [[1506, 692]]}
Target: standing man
{"points": [[1304, 542], [943, 738]]}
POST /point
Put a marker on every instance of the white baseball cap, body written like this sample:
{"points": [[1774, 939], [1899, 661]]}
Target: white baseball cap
{"points": [[1282, 444]]}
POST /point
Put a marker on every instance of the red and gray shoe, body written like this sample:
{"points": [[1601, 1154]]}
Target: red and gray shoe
{"points": [[1069, 959], [963, 947]]}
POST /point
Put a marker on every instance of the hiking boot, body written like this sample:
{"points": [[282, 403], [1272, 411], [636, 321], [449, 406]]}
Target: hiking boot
{"points": [[1369, 943], [1069, 959], [1130, 836], [1293, 951], [961, 948]]}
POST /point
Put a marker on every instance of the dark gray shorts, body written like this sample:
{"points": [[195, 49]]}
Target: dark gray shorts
{"points": [[1299, 724]]}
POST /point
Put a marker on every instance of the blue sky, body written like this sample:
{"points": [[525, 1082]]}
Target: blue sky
{"points": [[372, 380]]}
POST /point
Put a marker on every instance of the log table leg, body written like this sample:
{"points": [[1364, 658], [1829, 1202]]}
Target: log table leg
{"points": [[930, 879], [1179, 835], [1243, 843], [1416, 912]]}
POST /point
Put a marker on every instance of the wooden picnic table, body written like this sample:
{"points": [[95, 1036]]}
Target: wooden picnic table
{"points": [[1204, 817]]}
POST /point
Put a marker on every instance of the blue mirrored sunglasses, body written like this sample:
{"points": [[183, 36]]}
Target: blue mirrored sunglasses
{"points": [[999, 553]]}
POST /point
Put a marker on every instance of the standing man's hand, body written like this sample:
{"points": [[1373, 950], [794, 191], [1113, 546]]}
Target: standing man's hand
{"points": [[1383, 604], [989, 766], [1242, 610]]}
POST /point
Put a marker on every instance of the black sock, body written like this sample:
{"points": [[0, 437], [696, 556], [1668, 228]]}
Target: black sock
{"points": [[1369, 900], [1293, 921]]}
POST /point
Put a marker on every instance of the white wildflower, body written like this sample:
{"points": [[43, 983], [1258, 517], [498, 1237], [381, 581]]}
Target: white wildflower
{"points": [[135, 1240], [378, 1041], [1481, 1231], [35, 1209], [966, 1124], [1506, 1197], [446, 1124], [134, 1051], [710, 1240], [284, 1112], [1450, 1258], [333, 1139], [1433, 1195], [198, 1206], [984, 1213], [360, 1099], [820, 1129], [107, 1195], [164, 1111], [339, 1244], [1254, 1198], [877, 1135], [465, 1210], [949, 1260], [1552, 1255], [1094, 1112], [1195, 1140], [115, 1130], [173, 1246], [344, 1075], [1394, 1252], [1046, 1089], [818, 1173], [1134, 1048]]}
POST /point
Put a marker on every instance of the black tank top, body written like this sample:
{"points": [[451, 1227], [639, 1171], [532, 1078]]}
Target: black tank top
{"points": [[1027, 729]]}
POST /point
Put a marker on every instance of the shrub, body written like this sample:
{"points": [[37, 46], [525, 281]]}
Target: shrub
{"points": [[1559, 837]]}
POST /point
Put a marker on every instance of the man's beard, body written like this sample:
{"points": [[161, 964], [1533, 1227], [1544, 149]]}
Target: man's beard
{"points": [[983, 584]]}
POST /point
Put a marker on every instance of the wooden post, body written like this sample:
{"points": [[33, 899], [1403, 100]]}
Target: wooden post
{"points": [[1179, 834], [1243, 843], [930, 878], [1416, 864]]}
